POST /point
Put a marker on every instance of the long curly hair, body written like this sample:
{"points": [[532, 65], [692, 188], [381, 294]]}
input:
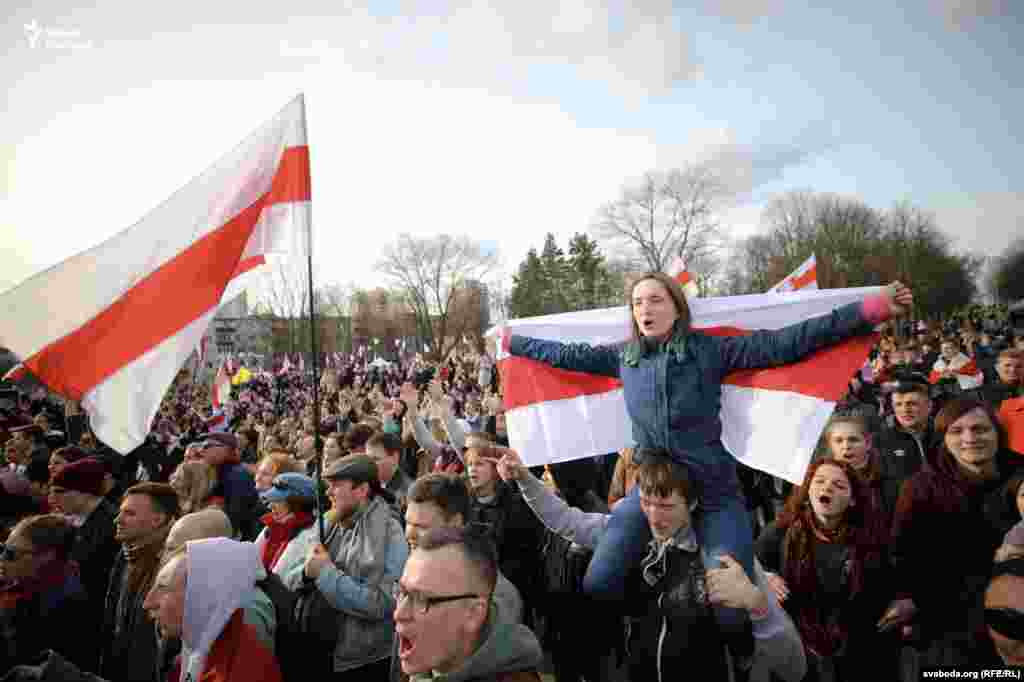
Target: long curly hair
{"points": [[824, 633]]}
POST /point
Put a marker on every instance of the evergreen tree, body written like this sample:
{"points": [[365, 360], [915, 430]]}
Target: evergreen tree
{"points": [[556, 277], [589, 277], [526, 299]]}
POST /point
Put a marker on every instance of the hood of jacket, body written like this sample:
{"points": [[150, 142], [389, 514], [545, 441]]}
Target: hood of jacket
{"points": [[506, 648], [221, 574]]}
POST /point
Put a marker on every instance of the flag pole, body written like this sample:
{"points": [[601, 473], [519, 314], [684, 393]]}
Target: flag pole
{"points": [[317, 446], [318, 463]]}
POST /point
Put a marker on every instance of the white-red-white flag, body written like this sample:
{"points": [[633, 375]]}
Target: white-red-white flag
{"points": [[677, 270], [804, 277], [771, 418], [286, 366], [221, 393], [964, 370], [16, 373], [112, 326]]}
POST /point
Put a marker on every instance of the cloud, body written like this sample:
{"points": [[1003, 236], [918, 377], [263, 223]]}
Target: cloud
{"points": [[745, 12], [984, 223], [637, 49], [961, 14], [747, 167]]}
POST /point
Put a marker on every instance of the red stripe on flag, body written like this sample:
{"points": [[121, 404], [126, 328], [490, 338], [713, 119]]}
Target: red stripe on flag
{"points": [[808, 277], [536, 382], [969, 369], [145, 315], [824, 374], [247, 265]]}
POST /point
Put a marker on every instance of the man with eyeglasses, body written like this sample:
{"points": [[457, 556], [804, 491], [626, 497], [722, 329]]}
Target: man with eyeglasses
{"points": [[445, 619]]}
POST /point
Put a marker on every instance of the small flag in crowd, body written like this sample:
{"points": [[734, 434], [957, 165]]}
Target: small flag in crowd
{"points": [[964, 369], [804, 277], [677, 270], [242, 376], [771, 418], [16, 373], [112, 326], [221, 394]]}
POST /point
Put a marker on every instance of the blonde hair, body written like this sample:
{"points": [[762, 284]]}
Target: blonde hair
{"points": [[194, 482], [283, 463]]}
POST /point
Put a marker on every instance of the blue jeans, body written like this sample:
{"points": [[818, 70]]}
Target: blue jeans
{"points": [[722, 525]]}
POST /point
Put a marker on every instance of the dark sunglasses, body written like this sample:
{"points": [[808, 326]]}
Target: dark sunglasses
{"points": [[1007, 622], [11, 553]]}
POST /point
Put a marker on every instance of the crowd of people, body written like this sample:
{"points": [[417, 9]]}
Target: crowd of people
{"points": [[391, 534]]}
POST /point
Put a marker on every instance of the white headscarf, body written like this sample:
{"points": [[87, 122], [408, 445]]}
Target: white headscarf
{"points": [[221, 572]]}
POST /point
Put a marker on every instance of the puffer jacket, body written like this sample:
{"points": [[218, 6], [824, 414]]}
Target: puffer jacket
{"points": [[673, 390], [367, 559]]}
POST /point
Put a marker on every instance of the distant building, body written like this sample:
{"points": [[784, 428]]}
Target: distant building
{"points": [[383, 315]]}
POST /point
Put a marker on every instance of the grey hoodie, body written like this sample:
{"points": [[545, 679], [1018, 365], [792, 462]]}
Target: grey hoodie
{"points": [[506, 648]]}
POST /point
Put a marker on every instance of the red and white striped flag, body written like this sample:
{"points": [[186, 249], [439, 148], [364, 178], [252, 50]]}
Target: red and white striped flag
{"points": [[804, 277], [16, 373], [286, 366], [221, 394], [677, 270], [965, 370], [112, 326], [771, 418]]}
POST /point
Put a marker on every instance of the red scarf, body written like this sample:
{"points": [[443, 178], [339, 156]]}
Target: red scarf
{"points": [[51, 576], [280, 533]]}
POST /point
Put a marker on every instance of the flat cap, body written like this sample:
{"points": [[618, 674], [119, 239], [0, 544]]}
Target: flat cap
{"points": [[355, 468]]}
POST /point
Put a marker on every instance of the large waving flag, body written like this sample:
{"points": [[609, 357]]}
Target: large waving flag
{"points": [[112, 326], [771, 418], [804, 277]]}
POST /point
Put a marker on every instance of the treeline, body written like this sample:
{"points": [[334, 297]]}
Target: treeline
{"points": [[556, 282], [855, 245]]}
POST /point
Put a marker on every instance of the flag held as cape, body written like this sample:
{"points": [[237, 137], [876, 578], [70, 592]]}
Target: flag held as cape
{"points": [[112, 326], [772, 418]]}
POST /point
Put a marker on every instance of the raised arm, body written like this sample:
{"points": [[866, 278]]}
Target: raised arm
{"points": [[789, 344], [572, 524], [576, 357]]}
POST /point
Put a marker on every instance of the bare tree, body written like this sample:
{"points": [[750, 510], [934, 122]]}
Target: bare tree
{"points": [[665, 215], [334, 303], [441, 279], [286, 299]]}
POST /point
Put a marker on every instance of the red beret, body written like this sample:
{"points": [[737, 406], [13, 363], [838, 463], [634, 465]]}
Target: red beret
{"points": [[85, 475]]}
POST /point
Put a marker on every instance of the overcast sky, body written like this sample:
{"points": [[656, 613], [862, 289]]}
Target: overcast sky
{"points": [[506, 120]]}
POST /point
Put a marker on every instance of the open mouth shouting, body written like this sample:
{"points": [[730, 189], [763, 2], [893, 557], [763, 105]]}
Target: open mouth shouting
{"points": [[406, 646]]}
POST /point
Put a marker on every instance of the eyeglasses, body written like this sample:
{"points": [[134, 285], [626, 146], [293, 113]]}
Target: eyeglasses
{"points": [[12, 553], [422, 603]]}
